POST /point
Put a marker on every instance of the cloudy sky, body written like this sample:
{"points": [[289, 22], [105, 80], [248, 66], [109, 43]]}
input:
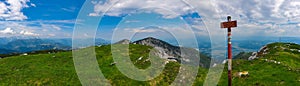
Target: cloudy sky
{"points": [[141, 18]]}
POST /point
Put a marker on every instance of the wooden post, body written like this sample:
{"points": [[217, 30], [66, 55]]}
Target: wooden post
{"points": [[229, 54], [228, 25]]}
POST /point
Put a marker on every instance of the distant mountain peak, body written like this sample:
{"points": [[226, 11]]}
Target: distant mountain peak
{"points": [[154, 42], [168, 51], [124, 41]]}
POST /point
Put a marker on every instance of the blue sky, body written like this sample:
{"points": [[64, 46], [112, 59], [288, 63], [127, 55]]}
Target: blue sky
{"points": [[39, 18], [56, 18], [53, 9]]}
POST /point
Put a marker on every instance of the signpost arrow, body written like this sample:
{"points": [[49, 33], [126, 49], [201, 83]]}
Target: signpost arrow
{"points": [[229, 24]]}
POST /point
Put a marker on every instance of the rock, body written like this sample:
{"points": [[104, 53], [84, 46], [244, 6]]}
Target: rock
{"points": [[114, 63], [224, 62], [214, 65], [165, 50], [253, 56], [244, 73], [147, 60], [166, 62], [186, 60], [140, 58], [293, 49], [25, 54]]}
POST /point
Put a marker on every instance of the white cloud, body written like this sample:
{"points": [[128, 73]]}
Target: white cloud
{"points": [[51, 35], [33, 5], [7, 31], [259, 17], [56, 27], [167, 8], [180, 31], [255, 17], [38, 28], [277, 11], [12, 9], [27, 33], [132, 21], [86, 35], [150, 29], [70, 9], [143, 31]]}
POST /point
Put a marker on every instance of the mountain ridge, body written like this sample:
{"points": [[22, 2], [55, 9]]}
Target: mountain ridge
{"points": [[172, 52], [280, 66]]}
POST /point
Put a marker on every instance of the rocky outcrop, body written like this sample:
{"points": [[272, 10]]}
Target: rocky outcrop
{"points": [[163, 47], [261, 51], [171, 52], [253, 56]]}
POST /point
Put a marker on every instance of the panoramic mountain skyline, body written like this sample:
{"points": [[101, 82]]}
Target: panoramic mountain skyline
{"points": [[150, 42], [56, 19]]}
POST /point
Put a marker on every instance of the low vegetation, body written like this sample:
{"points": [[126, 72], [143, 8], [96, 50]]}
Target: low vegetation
{"points": [[280, 66], [58, 68]]}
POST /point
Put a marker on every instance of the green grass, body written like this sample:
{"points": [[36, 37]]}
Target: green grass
{"points": [[264, 73], [39, 69], [58, 69]]}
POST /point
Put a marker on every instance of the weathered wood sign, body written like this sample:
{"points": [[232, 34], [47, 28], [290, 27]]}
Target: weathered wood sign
{"points": [[229, 24]]}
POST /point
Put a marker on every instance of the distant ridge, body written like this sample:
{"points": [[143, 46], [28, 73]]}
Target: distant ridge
{"points": [[169, 51], [157, 43]]}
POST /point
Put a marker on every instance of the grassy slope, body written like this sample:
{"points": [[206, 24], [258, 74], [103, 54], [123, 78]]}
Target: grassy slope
{"points": [[265, 73], [38, 69], [243, 55], [58, 69], [44, 69]]}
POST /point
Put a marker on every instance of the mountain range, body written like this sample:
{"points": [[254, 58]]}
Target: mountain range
{"points": [[274, 64], [14, 45]]}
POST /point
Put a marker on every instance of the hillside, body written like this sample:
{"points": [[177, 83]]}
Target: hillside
{"points": [[276, 64], [243, 55], [58, 69]]}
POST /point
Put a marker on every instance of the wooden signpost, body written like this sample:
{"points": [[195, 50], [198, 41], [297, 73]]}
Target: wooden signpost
{"points": [[229, 24]]}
